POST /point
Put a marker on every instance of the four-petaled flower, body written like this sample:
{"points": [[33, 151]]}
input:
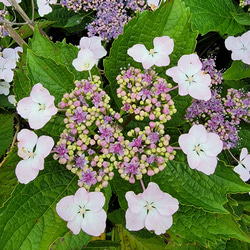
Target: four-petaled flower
{"points": [[38, 107], [159, 55], [191, 78], [152, 209], [201, 148], [33, 161], [85, 60], [243, 168], [6, 66], [44, 7], [83, 210], [240, 47]]}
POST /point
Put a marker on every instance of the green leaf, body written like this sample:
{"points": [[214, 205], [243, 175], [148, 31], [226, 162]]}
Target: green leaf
{"points": [[242, 18], [171, 19], [102, 245], [191, 187], [28, 220], [117, 216], [195, 225], [237, 71], [215, 16], [6, 132]]}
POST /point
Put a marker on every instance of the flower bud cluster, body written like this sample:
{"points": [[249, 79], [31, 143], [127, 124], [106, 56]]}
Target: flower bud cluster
{"points": [[85, 144], [145, 95], [145, 152], [3, 14], [222, 115]]}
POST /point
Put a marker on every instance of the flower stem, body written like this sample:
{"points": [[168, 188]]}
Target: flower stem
{"points": [[232, 156], [127, 121], [173, 88], [178, 148], [142, 184]]}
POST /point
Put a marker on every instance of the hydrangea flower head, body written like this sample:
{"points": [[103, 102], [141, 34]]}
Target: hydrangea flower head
{"points": [[152, 209], [44, 7], [83, 210], [240, 47], [243, 168], [201, 148], [33, 161], [191, 78], [38, 107], [159, 55]]}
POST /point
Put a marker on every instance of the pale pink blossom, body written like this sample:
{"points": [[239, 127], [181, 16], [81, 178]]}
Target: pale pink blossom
{"points": [[240, 47], [6, 66], [191, 78], [4, 87], [83, 210], [243, 168], [12, 54], [7, 3], [201, 148], [94, 44], [38, 108], [152, 209], [44, 7], [159, 55], [33, 161], [154, 4], [85, 60]]}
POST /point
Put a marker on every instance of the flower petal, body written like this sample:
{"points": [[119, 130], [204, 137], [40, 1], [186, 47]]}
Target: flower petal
{"points": [[135, 202], [243, 172], [167, 206], [243, 153], [137, 52], [213, 146], [190, 64], [152, 193], [187, 142], [25, 106], [44, 145], [75, 224], [96, 201], [81, 197], [200, 132], [135, 221], [26, 139], [207, 164]]}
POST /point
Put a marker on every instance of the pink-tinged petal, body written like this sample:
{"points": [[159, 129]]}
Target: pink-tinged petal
{"points": [[85, 60], [190, 64], [27, 139], [163, 45], [50, 109], [157, 222], [161, 59], [245, 39], [246, 162], [37, 162], [183, 88], [39, 93], [152, 193], [246, 57], [135, 221], [147, 61], [207, 165], [81, 197], [94, 223], [37, 119], [7, 75], [167, 206], [44, 145], [24, 171], [66, 208], [199, 91], [231, 43], [243, 153], [213, 146], [194, 160], [199, 132], [243, 172], [75, 224], [25, 106], [85, 42], [137, 52], [96, 201], [135, 202], [187, 142]]}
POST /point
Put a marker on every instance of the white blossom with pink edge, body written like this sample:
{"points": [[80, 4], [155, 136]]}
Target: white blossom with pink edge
{"points": [[85, 60], [44, 7], [33, 161], [240, 47], [159, 55], [201, 148], [152, 209], [191, 78], [243, 168], [83, 210], [38, 108], [94, 44]]}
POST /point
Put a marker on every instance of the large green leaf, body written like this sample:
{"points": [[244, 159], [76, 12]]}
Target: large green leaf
{"points": [[237, 71], [191, 224], [192, 187], [171, 19], [6, 132], [28, 220], [216, 16]]}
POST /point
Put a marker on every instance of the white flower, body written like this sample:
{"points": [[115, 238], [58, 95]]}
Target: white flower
{"points": [[6, 66], [33, 161], [85, 60], [243, 168], [83, 210], [12, 99], [152, 209], [44, 6], [159, 55], [4, 87], [190, 78], [240, 47], [12, 54], [6, 2], [201, 148], [38, 107]]}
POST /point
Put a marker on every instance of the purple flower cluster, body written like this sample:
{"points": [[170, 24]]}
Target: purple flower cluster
{"points": [[244, 3], [85, 145], [111, 15], [3, 14], [222, 115], [145, 95]]}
